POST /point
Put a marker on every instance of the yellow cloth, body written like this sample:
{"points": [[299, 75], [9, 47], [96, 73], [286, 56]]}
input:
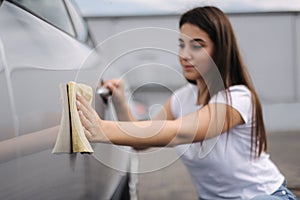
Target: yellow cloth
{"points": [[72, 139]]}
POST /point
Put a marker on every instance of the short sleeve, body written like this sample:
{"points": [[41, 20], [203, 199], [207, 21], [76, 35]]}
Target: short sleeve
{"points": [[239, 98], [174, 104], [183, 100]]}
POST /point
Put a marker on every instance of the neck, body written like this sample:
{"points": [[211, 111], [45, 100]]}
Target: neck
{"points": [[201, 85], [202, 91]]}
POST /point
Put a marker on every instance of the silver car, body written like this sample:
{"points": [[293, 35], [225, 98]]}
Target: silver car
{"points": [[42, 44]]}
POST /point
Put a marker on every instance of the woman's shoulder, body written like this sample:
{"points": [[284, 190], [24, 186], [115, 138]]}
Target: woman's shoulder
{"points": [[184, 100], [238, 97], [239, 89], [234, 92]]}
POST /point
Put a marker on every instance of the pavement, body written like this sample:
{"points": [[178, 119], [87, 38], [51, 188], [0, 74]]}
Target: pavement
{"points": [[173, 181]]}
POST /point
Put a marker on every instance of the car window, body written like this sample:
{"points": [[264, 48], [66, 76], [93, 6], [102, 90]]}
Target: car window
{"points": [[53, 11]]}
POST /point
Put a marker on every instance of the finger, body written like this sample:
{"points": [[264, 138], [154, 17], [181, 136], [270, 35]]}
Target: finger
{"points": [[110, 86], [87, 134], [83, 104], [87, 114], [118, 82], [81, 107], [111, 83], [84, 121]]}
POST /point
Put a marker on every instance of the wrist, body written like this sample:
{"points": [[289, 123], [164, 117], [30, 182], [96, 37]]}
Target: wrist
{"points": [[118, 100], [102, 136], [121, 106]]}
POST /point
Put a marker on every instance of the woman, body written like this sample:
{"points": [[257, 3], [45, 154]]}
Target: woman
{"points": [[220, 105]]}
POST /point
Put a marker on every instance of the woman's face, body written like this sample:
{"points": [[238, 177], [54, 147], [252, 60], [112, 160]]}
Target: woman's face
{"points": [[195, 51]]}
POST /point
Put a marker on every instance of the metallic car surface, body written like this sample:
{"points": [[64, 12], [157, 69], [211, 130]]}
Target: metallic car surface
{"points": [[35, 57]]}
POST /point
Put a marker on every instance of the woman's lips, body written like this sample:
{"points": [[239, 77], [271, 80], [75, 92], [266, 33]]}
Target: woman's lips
{"points": [[188, 67]]}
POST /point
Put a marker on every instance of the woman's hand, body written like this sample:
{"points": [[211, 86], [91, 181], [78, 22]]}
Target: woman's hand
{"points": [[91, 122], [117, 88]]}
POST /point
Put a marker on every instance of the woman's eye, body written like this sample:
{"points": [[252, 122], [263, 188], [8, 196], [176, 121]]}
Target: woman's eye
{"points": [[181, 46], [197, 46]]}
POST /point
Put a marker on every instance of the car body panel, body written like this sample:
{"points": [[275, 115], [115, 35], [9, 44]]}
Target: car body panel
{"points": [[35, 58]]}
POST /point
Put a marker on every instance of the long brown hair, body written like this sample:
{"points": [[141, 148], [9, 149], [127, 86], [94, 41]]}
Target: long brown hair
{"points": [[229, 63]]}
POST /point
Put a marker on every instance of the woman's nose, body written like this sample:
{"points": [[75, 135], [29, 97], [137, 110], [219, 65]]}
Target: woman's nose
{"points": [[185, 54]]}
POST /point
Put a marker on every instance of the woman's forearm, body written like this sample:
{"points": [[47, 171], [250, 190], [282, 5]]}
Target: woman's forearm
{"points": [[142, 133]]}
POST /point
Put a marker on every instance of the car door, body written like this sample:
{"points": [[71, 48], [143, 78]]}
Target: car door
{"points": [[36, 56]]}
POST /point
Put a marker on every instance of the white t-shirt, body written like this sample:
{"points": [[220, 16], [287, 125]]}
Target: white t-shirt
{"points": [[221, 167]]}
